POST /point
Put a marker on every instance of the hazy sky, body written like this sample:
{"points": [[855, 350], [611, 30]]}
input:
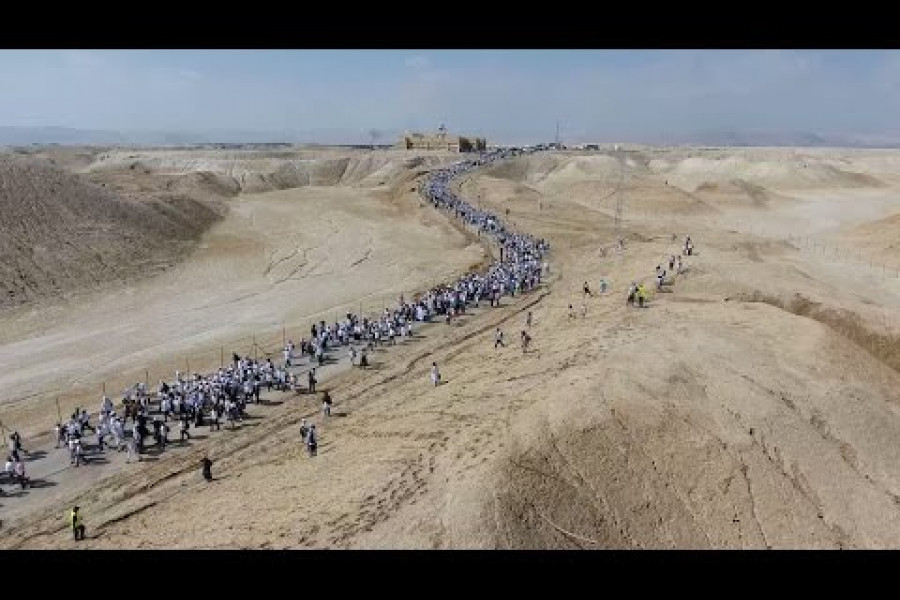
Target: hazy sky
{"points": [[500, 94]]}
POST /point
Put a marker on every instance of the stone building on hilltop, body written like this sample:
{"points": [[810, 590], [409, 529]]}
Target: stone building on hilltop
{"points": [[441, 141]]}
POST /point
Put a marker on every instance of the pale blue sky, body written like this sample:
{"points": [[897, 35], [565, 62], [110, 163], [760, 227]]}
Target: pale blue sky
{"points": [[500, 94]]}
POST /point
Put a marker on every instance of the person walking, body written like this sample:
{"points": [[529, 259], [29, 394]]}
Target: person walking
{"points": [[185, 425], [311, 379], [526, 341], [206, 467], [214, 418], [326, 404], [19, 471], [132, 447], [312, 441], [76, 523]]}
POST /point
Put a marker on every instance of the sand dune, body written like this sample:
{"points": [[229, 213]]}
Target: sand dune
{"points": [[694, 172], [259, 171], [60, 233], [878, 240], [74, 219]]}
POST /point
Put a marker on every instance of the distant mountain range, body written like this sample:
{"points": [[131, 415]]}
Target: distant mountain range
{"points": [[788, 139], [759, 139], [16, 136], [23, 136]]}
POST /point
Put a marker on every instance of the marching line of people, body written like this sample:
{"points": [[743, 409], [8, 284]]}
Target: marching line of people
{"points": [[199, 400], [522, 261]]}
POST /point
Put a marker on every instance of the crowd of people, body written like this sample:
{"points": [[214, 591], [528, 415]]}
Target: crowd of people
{"points": [[197, 400], [637, 292], [190, 401]]}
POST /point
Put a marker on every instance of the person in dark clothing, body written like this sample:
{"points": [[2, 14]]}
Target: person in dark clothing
{"points": [[17, 441], [185, 425], [137, 432], [312, 381], [312, 441], [77, 524], [157, 432], [207, 468]]}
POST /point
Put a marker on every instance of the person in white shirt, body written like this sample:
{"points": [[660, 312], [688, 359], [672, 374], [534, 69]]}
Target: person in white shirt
{"points": [[132, 451], [435, 374], [498, 339]]}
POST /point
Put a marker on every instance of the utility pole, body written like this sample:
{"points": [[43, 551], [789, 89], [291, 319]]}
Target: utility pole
{"points": [[557, 133], [620, 195]]}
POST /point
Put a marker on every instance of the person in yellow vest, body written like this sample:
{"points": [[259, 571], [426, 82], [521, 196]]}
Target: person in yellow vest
{"points": [[642, 295], [77, 524]]}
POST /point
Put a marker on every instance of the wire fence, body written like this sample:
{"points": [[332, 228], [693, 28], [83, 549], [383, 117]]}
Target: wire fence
{"points": [[28, 414], [820, 247]]}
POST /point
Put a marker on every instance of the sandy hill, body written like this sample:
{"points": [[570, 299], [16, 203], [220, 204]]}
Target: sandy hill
{"points": [[60, 233], [797, 173], [879, 240], [694, 181], [77, 217], [231, 172]]}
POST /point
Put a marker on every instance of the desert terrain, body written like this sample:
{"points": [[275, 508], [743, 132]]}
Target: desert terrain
{"points": [[752, 404], [276, 243]]}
